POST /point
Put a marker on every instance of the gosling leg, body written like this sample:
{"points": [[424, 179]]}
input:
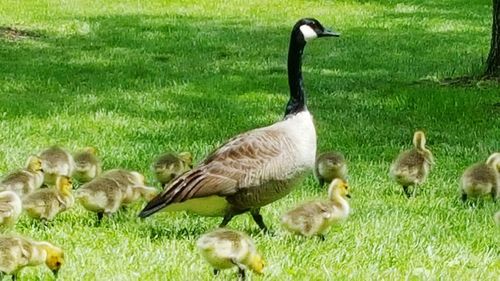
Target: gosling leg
{"points": [[257, 217], [100, 215], [322, 237], [407, 192], [241, 273], [464, 197], [216, 271]]}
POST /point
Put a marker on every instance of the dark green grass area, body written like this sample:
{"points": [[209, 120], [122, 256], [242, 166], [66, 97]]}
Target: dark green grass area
{"points": [[135, 79]]}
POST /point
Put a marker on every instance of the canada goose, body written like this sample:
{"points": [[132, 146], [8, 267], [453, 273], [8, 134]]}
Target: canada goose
{"points": [[17, 252], [412, 167], [25, 181], [10, 207], [168, 166], [258, 167], [224, 248], [315, 217], [330, 166], [56, 162], [87, 165], [48, 202], [482, 179]]}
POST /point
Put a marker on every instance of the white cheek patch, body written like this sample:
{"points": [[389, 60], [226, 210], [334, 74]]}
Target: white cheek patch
{"points": [[308, 32]]}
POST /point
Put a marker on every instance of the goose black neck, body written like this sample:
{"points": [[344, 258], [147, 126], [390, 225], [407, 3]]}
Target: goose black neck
{"points": [[297, 102]]}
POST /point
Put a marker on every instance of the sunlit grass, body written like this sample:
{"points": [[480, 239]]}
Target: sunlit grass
{"points": [[136, 78]]}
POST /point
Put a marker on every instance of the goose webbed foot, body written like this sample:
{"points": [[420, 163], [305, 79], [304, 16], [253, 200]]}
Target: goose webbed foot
{"points": [[257, 217], [227, 218]]}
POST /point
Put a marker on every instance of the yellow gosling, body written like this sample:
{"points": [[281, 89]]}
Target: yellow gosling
{"points": [[17, 252], [87, 165], [46, 203], [24, 181], [56, 162], [412, 167], [10, 208], [224, 248], [314, 218]]}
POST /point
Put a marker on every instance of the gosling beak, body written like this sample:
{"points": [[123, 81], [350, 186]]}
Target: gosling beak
{"points": [[329, 33], [56, 273], [348, 195], [41, 170]]}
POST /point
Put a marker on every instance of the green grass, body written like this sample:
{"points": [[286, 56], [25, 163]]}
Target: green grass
{"points": [[136, 79]]}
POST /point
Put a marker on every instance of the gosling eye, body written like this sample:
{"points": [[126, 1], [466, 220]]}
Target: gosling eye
{"points": [[58, 263]]}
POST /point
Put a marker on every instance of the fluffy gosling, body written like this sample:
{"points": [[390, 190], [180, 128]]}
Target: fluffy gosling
{"points": [[412, 167], [168, 166], [10, 208], [87, 165], [46, 203], [25, 181], [101, 195], [224, 248], [330, 166], [17, 252], [56, 162], [482, 179], [315, 217], [133, 185]]}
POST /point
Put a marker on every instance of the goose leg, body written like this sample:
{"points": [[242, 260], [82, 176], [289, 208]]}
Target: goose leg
{"points": [[407, 192], [257, 217], [226, 220]]}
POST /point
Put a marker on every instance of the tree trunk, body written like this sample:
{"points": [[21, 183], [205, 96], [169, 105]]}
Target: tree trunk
{"points": [[493, 62]]}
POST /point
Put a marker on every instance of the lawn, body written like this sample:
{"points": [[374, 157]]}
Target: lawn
{"points": [[135, 79]]}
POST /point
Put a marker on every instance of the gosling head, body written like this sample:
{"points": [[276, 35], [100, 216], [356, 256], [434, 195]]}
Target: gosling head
{"points": [[338, 187], [64, 184], [55, 257], [419, 140], [308, 29], [187, 158], [257, 263], [494, 161], [34, 164]]}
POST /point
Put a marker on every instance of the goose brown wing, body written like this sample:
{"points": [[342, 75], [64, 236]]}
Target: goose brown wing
{"points": [[244, 161]]}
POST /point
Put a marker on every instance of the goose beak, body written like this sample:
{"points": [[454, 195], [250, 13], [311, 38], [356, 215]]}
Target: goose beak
{"points": [[329, 33]]}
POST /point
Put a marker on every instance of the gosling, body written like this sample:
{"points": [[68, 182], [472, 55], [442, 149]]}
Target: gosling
{"points": [[87, 165], [17, 252], [168, 166], [482, 179], [224, 248], [132, 183], [412, 167], [25, 181], [314, 218], [56, 162], [10, 208], [330, 166], [46, 203]]}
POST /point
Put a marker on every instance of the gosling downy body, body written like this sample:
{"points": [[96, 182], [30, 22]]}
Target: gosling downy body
{"points": [[168, 166], [56, 162], [87, 165], [133, 185], [258, 167], [101, 195], [315, 217], [24, 181], [10, 208], [482, 179], [224, 248], [46, 203], [412, 167], [18, 252], [330, 166]]}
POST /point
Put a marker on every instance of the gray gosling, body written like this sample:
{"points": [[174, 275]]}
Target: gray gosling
{"points": [[17, 253], [330, 166], [168, 166], [24, 181], [224, 248], [482, 179], [10, 208], [56, 162], [315, 218], [46, 203], [87, 165], [412, 167]]}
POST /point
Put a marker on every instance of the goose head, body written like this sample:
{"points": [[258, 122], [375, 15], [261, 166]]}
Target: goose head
{"points": [[308, 29]]}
